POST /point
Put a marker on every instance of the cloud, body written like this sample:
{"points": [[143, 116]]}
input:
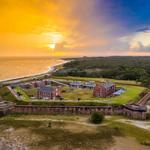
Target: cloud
{"points": [[31, 24], [77, 28], [144, 29], [139, 47], [138, 41]]}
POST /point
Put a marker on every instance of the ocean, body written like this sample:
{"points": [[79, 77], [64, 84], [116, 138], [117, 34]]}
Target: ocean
{"points": [[20, 67]]}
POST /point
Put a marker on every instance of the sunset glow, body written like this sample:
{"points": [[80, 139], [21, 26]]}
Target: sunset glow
{"points": [[32, 27], [52, 46]]}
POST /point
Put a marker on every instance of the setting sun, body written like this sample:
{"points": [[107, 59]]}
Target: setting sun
{"points": [[52, 45]]}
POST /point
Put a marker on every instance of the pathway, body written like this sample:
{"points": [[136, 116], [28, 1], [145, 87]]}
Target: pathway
{"points": [[13, 92]]}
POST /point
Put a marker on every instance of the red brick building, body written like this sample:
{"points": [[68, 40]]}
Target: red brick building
{"points": [[104, 89], [48, 92]]}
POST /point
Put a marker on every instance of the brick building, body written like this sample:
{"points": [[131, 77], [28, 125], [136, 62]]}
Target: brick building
{"points": [[48, 92], [37, 84], [104, 89]]}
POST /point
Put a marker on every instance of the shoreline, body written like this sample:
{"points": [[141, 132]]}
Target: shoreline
{"points": [[50, 69]]}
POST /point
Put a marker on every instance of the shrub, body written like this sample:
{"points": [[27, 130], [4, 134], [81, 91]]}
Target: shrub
{"points": [[96, 118], [148, 116]]}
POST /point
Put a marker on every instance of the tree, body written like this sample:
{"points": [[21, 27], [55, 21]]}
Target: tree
{"points": [[145, 80], [96, 118]]}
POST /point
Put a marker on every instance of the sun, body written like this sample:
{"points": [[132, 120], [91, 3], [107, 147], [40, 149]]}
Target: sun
{"points": [[52, 45]]}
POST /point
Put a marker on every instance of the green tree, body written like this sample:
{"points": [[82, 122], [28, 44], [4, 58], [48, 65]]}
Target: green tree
{"points": [[96, 118]]}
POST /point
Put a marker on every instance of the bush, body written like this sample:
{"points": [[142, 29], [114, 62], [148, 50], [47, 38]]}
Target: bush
{"points": [[96, 118], [148, 116]]}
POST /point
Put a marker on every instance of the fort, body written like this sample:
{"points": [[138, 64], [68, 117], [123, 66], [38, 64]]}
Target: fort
{"points": [[129, 111], [133, 111], [136, 110]]}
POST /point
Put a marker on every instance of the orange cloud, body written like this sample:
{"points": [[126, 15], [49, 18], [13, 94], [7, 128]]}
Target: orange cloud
{"points": [[28, 26]]}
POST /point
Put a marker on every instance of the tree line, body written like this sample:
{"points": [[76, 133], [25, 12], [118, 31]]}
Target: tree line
{"points": [[123, 68]]}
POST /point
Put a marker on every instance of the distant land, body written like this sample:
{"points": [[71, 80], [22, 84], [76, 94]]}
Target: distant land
{"points": [[115, 67]]}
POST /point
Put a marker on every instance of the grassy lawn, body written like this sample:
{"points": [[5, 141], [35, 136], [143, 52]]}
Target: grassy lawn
{"points": [[31, 92], [98, 80], [24, 96], [131, 94]]}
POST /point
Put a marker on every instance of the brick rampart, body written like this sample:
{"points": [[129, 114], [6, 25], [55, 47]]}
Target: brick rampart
{"points": [[36, 109]]}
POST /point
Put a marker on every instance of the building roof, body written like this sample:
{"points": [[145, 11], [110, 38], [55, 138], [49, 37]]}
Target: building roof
{"points": [[46, 89], [89, 84], [76, 83], [135, 107], [107, 85], [119, 92]]}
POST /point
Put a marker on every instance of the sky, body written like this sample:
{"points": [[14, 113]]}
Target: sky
{"points": [[72, 28]]}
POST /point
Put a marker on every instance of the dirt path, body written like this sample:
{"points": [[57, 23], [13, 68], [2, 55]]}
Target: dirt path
{"points": [[137, 123]]}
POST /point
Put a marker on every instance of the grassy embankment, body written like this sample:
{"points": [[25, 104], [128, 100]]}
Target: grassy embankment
{"points": [[7, 95], [69, 132], [23, 94]]}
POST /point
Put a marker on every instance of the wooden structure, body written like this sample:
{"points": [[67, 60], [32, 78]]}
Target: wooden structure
{"points": [[104, 89]]}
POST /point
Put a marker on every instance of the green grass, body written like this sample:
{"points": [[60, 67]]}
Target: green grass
{"points": [[24, 96], [30, 92], [131, 94], [98, 80], [86, 95], [68, 117], [60, 103], [6, 94], [87, 99]]}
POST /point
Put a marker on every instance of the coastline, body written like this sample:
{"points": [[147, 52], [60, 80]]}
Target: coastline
{"points": [[48, 71]]}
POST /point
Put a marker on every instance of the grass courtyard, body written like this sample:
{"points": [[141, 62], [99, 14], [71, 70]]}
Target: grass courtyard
{"points": [[131, 95], [132, 91]]}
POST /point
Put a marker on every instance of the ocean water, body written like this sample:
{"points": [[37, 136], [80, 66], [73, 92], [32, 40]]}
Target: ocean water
{"points": [[19, 67]]}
